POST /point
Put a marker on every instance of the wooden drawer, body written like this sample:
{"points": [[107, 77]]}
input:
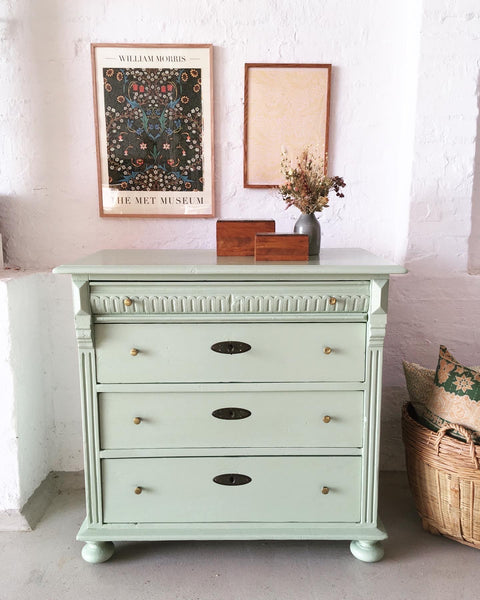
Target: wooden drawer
{"points": [[281, 489], [167, 298], [276, 419], [182, 352]]}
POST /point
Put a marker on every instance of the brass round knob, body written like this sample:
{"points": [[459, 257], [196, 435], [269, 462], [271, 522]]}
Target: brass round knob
{"points": [[138, 490], [327, 419], [325, 490], [128, 302], [327, 350], [332, 301], [134, 352], [137, 420]]}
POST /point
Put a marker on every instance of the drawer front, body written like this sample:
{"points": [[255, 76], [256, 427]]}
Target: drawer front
{"points": [[182, 353], [256, 298], [183, 489], [243, 419]]}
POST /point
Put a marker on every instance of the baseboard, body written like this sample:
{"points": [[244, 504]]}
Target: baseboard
{"points": [[29, 516], [13, 520]]}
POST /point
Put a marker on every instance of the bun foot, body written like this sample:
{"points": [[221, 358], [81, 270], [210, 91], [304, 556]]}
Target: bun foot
{"points": [[97, 552], [366, 550]]}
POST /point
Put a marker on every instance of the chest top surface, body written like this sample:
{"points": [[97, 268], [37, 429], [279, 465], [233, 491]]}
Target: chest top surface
{"points": [[352, 262]]}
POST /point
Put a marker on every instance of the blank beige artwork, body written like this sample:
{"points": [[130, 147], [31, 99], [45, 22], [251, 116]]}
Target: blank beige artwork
{"points": [[287, 108]]}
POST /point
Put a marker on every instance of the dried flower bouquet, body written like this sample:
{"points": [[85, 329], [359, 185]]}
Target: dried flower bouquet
{"points": [[306, 184]]}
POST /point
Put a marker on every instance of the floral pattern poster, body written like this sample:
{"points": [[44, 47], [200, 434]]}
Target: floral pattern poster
{"points": [[154, 130]]}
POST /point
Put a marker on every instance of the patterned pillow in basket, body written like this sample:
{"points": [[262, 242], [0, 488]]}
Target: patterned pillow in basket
{"points": [[454, 397]]}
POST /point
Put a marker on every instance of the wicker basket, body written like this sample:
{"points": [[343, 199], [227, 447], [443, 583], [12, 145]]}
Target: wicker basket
{"points": [[444, 477]]}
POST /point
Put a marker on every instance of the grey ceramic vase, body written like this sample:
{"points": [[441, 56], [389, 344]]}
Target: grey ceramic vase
{"points": [[308, 224]]}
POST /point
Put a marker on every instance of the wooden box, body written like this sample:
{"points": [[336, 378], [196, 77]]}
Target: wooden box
{"points": [[237, 238], [281, 246]]}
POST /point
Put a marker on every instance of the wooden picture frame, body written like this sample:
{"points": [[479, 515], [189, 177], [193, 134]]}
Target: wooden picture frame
{"points": [[153, 107], [286, 107]]}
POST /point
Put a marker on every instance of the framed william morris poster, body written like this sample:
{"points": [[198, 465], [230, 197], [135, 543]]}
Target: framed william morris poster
{"points": [[154, 126]]}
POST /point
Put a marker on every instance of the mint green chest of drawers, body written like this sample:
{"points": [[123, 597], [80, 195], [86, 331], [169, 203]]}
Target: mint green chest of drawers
{"points": [[228, 399]]}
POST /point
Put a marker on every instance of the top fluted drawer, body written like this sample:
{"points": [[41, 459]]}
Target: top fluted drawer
{"points": [[228, 298]]}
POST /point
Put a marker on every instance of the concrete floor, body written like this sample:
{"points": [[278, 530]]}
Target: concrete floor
{"points": [[46, 565]]}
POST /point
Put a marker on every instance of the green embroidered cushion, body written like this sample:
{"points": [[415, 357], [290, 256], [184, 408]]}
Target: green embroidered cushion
{"points": [[453, 397]]}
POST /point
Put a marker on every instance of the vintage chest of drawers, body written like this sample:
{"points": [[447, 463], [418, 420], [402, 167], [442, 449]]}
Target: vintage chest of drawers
{"points": [[228, 399]]}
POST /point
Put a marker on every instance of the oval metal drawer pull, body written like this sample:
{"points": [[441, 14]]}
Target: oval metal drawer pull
{"points": [[332, 300], [327, 419], [230, 347], [327, 350], [128, 301], [138, 490], [137, 420], [232, 479], [325, 490], [134, 351], [231, 414]]}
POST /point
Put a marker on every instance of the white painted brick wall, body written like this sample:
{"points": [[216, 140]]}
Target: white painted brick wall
{"points": [[437, 302], [49, 198]]}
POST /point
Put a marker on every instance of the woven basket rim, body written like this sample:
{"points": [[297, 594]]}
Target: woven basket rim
{"points": [[452, 455]]}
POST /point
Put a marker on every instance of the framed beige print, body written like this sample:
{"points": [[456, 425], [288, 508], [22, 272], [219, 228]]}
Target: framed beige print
{"points": [[154, 129], [286, 107]]}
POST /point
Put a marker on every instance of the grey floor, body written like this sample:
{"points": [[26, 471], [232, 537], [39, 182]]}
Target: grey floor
{"points": [[46, 565]]}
